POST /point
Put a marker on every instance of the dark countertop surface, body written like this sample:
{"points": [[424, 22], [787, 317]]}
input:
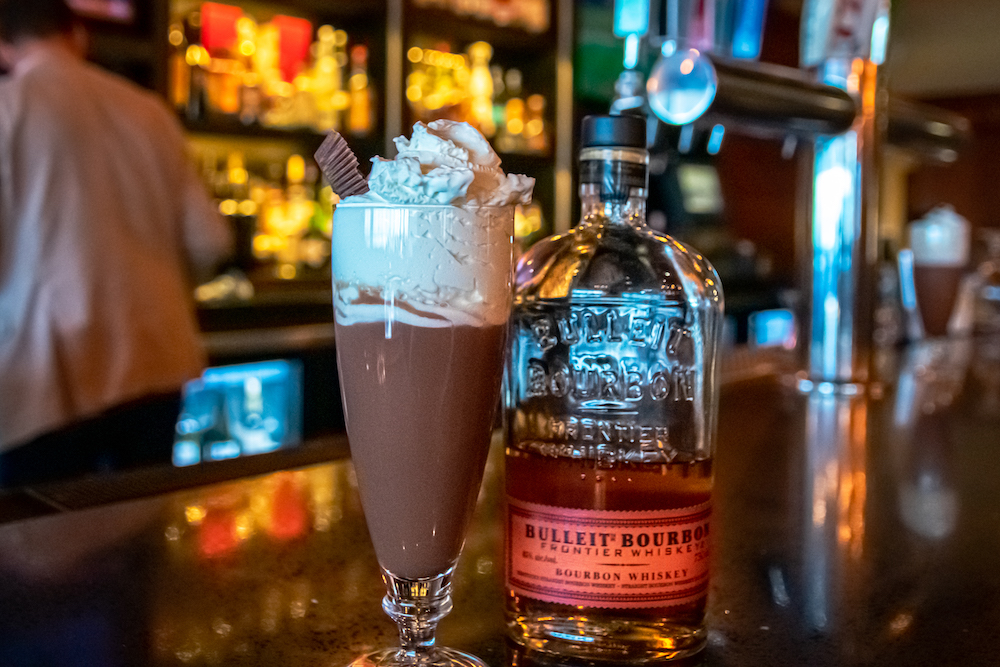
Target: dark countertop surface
{"points": [[848, 531]]}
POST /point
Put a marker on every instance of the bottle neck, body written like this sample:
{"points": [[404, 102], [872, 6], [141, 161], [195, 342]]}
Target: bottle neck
{"points": [[614, 185], [631, 212]]}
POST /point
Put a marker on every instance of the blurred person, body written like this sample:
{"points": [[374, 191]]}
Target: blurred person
{"points": [[104, 231]]}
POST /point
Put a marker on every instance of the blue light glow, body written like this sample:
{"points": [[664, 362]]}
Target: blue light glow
{"points": [[715, 139], [749, 30], [631, 51], [880, 38], [571, 637], [631, 17], [240, 410]]}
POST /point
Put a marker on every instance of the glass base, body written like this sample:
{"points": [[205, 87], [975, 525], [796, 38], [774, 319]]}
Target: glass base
{"points": [[566, 641], [416, 605], [436, 657]]}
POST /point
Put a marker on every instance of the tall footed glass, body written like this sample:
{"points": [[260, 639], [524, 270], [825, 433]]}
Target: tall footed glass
{"points": [[422, 298]]}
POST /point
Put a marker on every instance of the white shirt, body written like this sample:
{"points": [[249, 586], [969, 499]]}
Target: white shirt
{"points": [[101, 219]]}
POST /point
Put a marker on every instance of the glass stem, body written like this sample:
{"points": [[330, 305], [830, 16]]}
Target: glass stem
{"points": [[416, 605]]}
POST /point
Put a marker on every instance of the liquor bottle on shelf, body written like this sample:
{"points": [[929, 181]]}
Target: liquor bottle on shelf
{"points": [[281, 218], [297, 214], [240, 209], [499, 95], [360, 115], [225, 65], [193, 69], [222, 66], [251, 103], [238, 178], [314, 246], [328, 78], [268, 238], [265, 64], [179, 69], [510, 138], [610, 403], [535, 15], [536, 138], [480, 88]]}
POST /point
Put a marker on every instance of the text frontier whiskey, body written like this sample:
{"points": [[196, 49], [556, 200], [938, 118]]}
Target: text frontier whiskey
{"points": [[610, 405]]}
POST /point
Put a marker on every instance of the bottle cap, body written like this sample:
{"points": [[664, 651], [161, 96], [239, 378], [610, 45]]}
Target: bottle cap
{"points": [[628, 131]]}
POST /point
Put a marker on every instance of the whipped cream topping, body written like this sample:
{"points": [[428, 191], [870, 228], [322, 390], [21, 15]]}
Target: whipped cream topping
{"points": [[430, 266], [445, 162], [940, 238], [430, 243]]}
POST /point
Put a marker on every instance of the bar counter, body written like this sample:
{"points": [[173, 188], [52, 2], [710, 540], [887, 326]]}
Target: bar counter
{"points": [[849, 530]]}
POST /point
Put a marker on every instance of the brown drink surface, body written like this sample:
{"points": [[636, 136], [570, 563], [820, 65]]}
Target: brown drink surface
{"points": [[419, 410], [937, 291]]}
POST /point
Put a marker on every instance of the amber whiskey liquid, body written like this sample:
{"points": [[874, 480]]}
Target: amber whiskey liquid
{"points": [[646, 634]]}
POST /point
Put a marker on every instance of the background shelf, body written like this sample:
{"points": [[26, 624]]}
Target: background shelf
{"points": [[142, 52]]}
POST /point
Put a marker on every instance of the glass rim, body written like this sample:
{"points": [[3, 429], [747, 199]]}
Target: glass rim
{"points": [[347, 204]]}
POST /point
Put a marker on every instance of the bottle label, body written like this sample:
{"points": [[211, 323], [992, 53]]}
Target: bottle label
{"points": [[617, 560]]}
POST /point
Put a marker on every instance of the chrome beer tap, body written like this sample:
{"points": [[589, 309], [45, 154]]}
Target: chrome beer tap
{"points": [[707, 77], [843, 43]]}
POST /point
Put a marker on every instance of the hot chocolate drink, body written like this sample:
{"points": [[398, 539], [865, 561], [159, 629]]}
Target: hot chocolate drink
{"points": [[420, 409], [940, 245], [420, 361], [422, 269], [937, 290]]}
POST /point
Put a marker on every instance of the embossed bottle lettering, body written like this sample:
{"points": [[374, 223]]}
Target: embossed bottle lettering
{"points": [[596, 325], [610, 378], [592, 374]]}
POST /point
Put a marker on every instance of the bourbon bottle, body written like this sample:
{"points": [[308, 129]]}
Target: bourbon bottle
{"points": [[610, 401]]}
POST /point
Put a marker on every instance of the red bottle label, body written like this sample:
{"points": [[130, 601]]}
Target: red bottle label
{"points": [[616, 560]]}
